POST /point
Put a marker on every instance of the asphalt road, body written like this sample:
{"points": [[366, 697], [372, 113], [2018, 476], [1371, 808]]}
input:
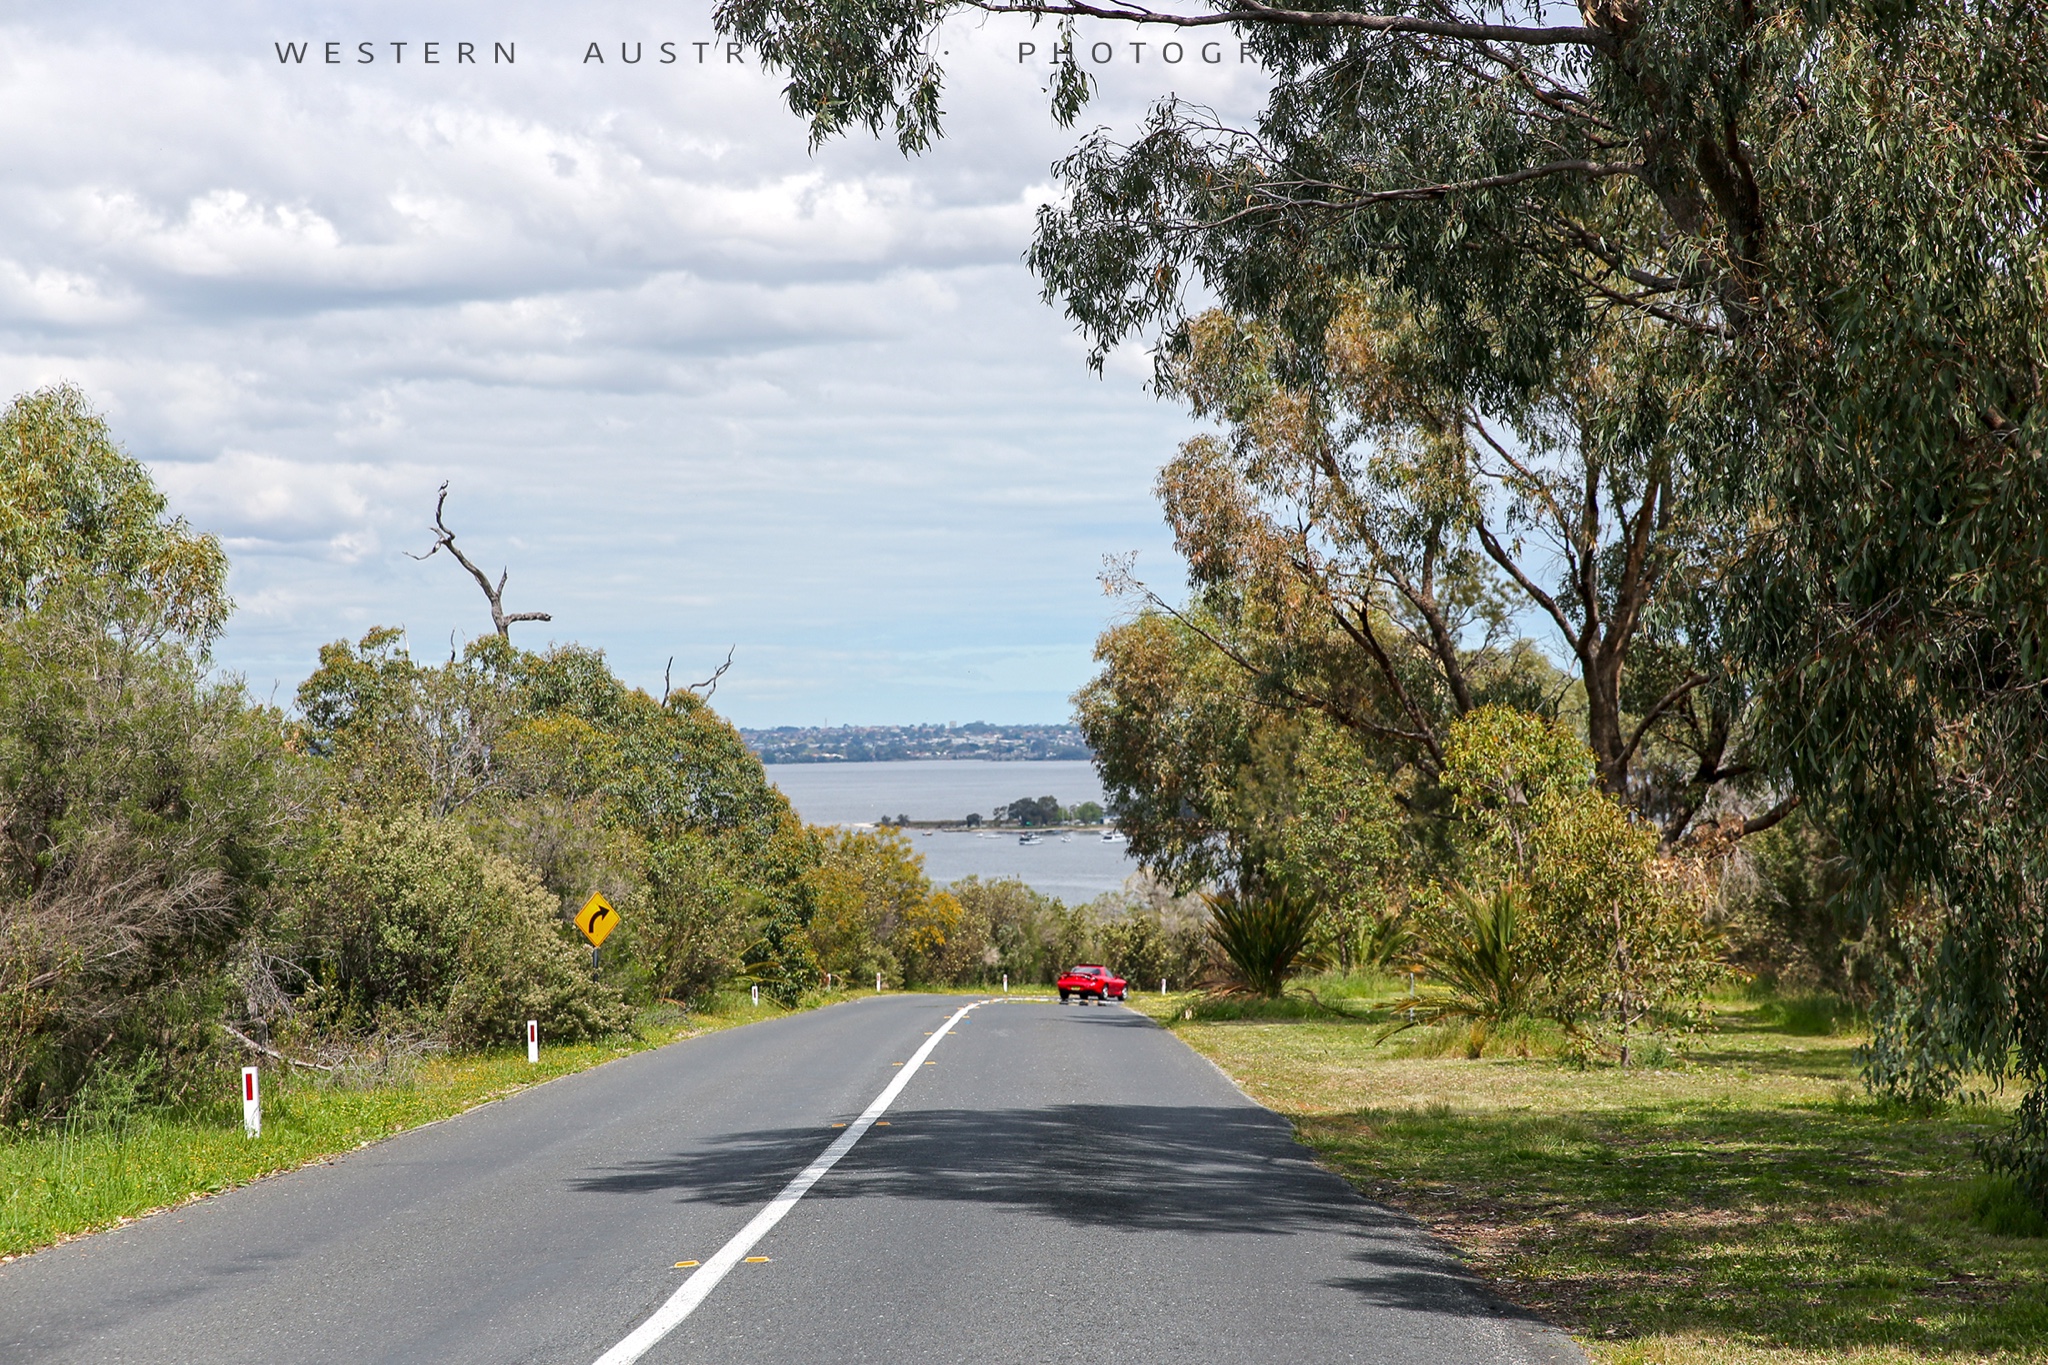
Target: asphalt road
{"points": [[1061, 1181]]}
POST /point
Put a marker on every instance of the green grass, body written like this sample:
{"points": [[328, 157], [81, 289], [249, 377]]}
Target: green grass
{"points": [[62, 1183], [1742, 1201]]}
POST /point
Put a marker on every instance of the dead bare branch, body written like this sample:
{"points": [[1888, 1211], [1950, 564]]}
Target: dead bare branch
{"points": [[444, 539], [271, 1051], [709, 686]]}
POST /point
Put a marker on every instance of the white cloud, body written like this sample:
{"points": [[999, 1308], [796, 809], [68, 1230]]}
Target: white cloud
{"points": [[692, 382]]}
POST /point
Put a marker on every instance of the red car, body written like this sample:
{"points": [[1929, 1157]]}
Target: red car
{"points": [[1085, 981]]}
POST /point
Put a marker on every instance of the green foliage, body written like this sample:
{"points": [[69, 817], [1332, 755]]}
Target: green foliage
{"points": [[1260, 933], [80, 515], [1023, 925], [400, 917], [876, 911], [1786, 914], [1809, 239], [1169, 722], [1477, 952], [1031, 812], [1371, 548], [402, 862], [1204, 779], [1615, 934], [144, 810], [558, 765], [1510, 771]]}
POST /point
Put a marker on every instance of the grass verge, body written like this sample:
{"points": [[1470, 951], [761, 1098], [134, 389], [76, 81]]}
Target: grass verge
{"points": [[1743, 1203], [59, 1184]]}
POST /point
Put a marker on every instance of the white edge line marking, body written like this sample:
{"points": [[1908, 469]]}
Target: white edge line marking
{"points": [[698, 1287]]}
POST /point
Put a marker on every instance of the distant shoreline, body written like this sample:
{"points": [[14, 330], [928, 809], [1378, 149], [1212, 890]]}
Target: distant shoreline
{"points": [[961, 827], [828, 744]]}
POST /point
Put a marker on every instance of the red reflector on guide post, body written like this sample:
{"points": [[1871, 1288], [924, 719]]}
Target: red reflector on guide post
{"points": [[248, 1086]]}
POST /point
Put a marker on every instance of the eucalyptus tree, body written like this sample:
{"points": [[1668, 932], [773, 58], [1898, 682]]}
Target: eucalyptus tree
{"points": [[1833, 214], [1378, 511], [80, 516]]}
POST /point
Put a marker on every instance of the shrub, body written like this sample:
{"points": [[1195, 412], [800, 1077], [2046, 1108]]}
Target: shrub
{"points": [[399, 918], [1479, 950], [141, 808], [1259, 934], [1614, 931]]}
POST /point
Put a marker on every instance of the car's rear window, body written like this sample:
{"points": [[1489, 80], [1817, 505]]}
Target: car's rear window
{"points": [[1087, 971]]}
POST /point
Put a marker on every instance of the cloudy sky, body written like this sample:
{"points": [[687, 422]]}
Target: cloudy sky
{"points": [[694, 385]]}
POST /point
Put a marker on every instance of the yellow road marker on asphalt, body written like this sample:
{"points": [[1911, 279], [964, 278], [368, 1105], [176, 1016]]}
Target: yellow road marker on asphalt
{"points": [[684, 1265], [757, 1260]]}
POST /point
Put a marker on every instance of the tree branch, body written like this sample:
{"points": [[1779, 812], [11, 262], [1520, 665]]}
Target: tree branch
{"points": [[1250, 12], [1337, 713], [1657, 710], [709, 686], [1594, 169], [444, 539], [271, 1051], [1757, 824]]}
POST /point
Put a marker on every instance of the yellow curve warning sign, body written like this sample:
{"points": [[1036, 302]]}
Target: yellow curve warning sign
{"points": [[597, 919]]}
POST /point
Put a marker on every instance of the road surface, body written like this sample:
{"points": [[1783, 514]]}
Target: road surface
{"points": [[1058, 1181]]}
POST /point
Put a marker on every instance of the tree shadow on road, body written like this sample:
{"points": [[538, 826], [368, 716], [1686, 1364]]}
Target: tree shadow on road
{"points": [[1192, 1170]]}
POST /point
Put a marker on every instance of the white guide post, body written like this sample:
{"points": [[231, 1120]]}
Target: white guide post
{"points": [[1006, 983], [878, 983], [1162, 985], [533, 1042], [757, 995], [252, 1103]]}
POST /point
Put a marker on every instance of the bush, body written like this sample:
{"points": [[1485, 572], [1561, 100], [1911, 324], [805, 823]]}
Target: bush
{"points": [[1019, 922], [142, 810], [1479, 951], [1614, 931], [1259, 935], [400, 920]]}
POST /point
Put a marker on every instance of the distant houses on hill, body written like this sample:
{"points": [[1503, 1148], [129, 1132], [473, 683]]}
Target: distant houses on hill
{"points": [[878, 743]]}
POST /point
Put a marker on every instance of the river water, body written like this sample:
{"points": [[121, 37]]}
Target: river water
{"points": [[1076, 868]]}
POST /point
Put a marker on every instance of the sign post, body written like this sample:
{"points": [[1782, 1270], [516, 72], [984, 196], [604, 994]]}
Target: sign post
{"points": [[252, 1103], [533, 1042], [595, 921]]}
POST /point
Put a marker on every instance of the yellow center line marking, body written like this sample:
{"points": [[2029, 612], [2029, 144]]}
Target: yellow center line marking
{"points": [[757, 1260], [684, 1265]]}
